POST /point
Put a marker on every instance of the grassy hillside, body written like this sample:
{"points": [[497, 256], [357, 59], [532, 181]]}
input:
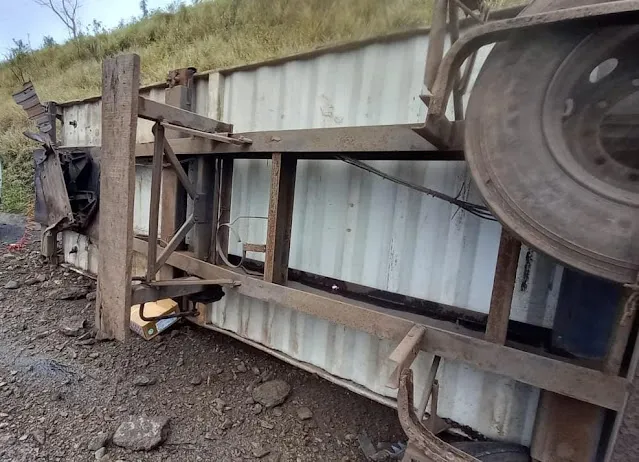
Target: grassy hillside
{"points": [[209, 34]]}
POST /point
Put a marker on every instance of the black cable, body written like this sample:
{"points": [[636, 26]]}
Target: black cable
{"points": [[480, 211]]}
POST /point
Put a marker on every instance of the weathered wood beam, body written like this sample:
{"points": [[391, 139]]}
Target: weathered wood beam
{"points": [[159, 112], [405, 353], [280, 219], [621, 333], [373, 142], [154, 207], [503, 287], [565, 429], [120, 86], [539, 371]]}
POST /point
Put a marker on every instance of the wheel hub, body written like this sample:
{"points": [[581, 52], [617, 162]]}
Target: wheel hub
{"points": [[591, 112], [552, 142]]}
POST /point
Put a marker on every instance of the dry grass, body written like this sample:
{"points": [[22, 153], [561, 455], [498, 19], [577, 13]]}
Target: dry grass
{"points": [[207, 35]]}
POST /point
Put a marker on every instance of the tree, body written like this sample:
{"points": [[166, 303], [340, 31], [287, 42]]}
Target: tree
{"points": [[96, 28], [18, 59], [47, 41], [144, 7], [66, 11]]}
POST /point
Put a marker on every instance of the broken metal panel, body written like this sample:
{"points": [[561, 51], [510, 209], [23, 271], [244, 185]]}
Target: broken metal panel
{"points": [[53, 187], [80, 251], [81, 125], [28, 99]]}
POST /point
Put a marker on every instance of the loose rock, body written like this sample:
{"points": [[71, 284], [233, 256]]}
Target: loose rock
{"points": [[267, 425], [143, 380], [100, 453], [72, 327], [1, 296], [141, 433], [98, 441], [272, 393], [241, 367], [39, 436], [196, 380], [219, 403], [69, 293], [91, 295], [257, 408], [259, 451], [12, 285], [304, 413]]}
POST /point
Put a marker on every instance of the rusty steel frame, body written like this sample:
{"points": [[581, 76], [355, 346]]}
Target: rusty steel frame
{"points": [[423, 444], [544, 372], [154, 262], [446, 134], [608, 391]]}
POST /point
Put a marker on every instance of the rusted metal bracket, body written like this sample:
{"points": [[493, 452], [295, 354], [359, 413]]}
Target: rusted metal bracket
{"points": [[219, 137], [429, 389], [423, 445], [161, 149], [405, 353], [445, 134], [206, 291], [173, 288], [434, 423]]}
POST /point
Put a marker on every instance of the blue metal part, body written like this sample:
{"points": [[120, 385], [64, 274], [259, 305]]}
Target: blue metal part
{"points": [[586, 311]]}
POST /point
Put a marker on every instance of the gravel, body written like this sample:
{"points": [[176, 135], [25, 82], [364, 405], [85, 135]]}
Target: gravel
{"points": [[70, 391]]}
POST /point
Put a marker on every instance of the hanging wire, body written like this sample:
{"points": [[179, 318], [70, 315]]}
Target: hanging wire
{"points": [[480, 211], [232, 231]]}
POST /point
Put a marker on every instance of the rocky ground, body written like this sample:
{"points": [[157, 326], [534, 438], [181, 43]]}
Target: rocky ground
{"points": [[194, 394]]}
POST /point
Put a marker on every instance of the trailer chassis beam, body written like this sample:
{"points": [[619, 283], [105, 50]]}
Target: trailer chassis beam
{"points": [[578, 382]]}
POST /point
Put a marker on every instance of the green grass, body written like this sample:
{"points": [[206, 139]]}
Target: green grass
{"points": [[207, 35]]}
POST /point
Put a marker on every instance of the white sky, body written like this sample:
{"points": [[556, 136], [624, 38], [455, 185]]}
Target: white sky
{"points": [[23, 19]]}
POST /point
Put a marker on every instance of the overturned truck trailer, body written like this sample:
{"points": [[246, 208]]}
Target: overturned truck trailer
{"points": [[348, 237]]}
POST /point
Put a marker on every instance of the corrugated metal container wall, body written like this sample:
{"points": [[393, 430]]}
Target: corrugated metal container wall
{"points": [[424, 247], [353, 226]]}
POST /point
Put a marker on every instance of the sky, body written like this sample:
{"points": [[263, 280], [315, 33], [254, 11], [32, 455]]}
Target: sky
{"points": [[23, 19]]}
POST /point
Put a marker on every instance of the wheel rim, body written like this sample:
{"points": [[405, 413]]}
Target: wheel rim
{"points": [[586, 122]]}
